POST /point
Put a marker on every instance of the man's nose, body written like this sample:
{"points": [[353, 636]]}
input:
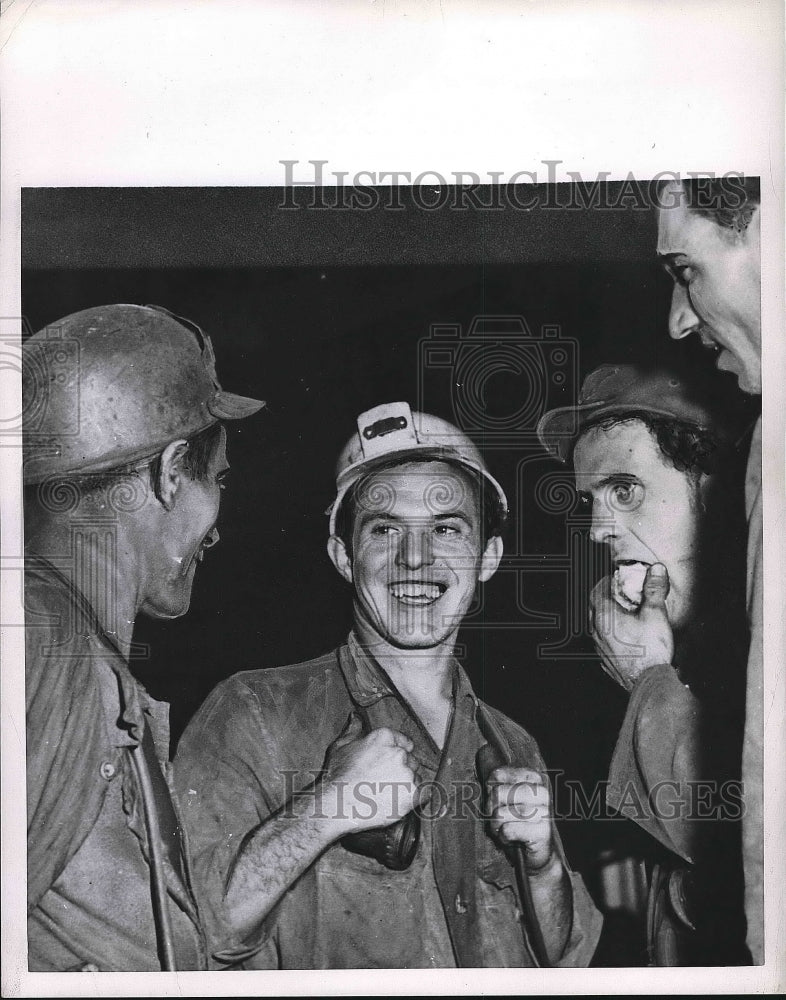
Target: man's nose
{"points": [[211, 538], [415, 548], [683, 321], [603, 527]]}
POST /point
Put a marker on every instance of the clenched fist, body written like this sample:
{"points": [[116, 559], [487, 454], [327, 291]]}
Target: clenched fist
{"points": [[374, 778], [630, 642], [519, 804]]}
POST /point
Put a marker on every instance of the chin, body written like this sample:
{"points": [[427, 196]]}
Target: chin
{"points": [[416, 641], [166, 611], [408, 638], [751, 386]]}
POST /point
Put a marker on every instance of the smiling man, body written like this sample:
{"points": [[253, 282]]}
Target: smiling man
{"points": [[709, 240], [654, 464], [124, 457], [335, 808]]}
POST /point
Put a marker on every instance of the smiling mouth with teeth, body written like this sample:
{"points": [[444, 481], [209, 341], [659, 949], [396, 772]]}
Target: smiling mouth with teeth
{"points": [[417, 592]]}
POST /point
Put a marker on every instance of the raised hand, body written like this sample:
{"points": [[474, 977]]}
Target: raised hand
{"points": [[519, 804], [630, 642], [373, 778]]}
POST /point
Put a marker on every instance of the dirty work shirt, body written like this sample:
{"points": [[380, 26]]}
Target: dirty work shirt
{"points": [[89, 898], [262, 734]]}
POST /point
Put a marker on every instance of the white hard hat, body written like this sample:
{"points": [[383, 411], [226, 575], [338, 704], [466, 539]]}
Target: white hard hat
{"points": [[395, 431]]}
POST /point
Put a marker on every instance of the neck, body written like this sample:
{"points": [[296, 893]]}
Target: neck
{"points": [[90, 556], [422, 675]]}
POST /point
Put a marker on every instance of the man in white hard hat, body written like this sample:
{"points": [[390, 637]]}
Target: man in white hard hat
{"points": [[654, 460], [335, 808], [709, 241], [124, 457]]}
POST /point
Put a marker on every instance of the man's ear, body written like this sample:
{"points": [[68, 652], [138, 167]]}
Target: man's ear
{"points": [[491, 557], [170, 473], [339, 556]]}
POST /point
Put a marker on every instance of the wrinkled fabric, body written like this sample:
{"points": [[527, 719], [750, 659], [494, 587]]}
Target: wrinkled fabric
{"points": [[263, 734], [675, 773], [753, 749], [89, 900], [658, 747]]}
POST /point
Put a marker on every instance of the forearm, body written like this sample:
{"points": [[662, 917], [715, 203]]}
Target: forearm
{"points": [[277, 853], [552, 899]]}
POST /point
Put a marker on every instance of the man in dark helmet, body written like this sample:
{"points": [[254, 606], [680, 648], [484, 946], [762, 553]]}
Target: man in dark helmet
{"points": [[124, 456], [654, 457]]}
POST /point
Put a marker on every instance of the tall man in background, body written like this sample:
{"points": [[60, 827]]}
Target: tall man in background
{"points": [[709, 240]]}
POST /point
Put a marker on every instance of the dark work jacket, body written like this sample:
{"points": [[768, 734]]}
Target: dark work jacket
{"points": [[669, 776]]}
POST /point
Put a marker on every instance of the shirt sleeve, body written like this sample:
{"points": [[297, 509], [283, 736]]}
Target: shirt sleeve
{"points": [[228, 783], [65, 749], [657, 757], [586, 919], [587, 923]]}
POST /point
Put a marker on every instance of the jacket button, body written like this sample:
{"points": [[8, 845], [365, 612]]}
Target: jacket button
{"points": [[107, 770]]}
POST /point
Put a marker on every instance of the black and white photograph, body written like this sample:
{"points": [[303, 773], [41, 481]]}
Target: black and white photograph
{"points": [[385, 586]]}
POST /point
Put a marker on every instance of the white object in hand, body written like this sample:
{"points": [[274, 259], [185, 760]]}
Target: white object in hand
{"points": [[627, 585]]}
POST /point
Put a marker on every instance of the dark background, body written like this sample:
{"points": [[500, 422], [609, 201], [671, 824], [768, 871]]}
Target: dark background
{"points": [[323, 313]]}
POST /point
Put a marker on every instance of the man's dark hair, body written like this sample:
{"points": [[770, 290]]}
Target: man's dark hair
{"points": [[125, 484], [196, 460], [493, 516], [728, 201], [689, 448]]}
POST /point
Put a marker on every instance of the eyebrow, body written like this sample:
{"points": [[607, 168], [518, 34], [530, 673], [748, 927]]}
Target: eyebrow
{"points": [[610, 480], [369, 515]]}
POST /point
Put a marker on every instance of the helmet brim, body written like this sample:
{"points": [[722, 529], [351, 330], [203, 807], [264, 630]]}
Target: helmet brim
{"points": [[230, 406], [558, 430]]}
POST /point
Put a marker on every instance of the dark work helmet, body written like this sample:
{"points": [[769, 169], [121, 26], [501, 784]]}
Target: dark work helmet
{"points": [[111, 386]]}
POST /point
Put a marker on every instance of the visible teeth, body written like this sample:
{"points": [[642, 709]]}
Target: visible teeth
{"points": [[627, 583], [422, 591]]}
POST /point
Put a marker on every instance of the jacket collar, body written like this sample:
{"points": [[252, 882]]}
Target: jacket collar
{"points": [[135, 703], [368, 683]]}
